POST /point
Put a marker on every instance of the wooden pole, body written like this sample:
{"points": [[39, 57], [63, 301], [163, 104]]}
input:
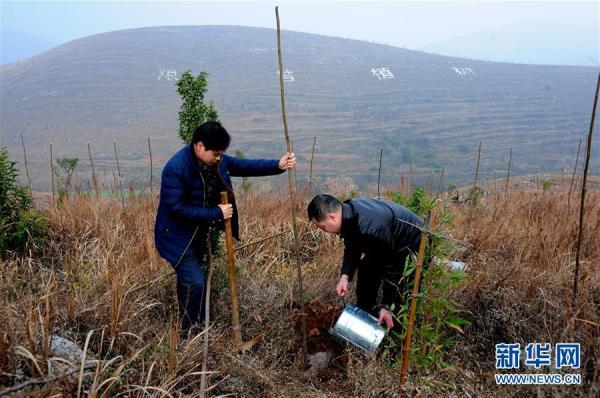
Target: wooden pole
{"points": [[150, 151], [477, 168], [495, 185], [52, 175], [294, 169], [413, 310], [26, 166], [235, 307], [206, 315], [573, 177], [508, 172], [292, 193], [474, 194], [379, 173], [312, 156], [411, 176], [562, 176], [94, 178], [441, 184], [583, 191], [119, 173], [402, 182], [430, 183]]}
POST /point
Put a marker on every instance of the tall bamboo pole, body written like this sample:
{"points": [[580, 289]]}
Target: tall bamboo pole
{"points": [[379, 173], [562, 176], [495, 185], [312, 156], [26, 166], [207, 316], [294, 169], [441, 184], [430, 183], [235, 307], [508, 172], [413, 309], [477, 168], [52, 175], [474, 194], [573, 177], [150, 151], [94, 178], [401, 182], [583, 191], [411, 176], [119, 173], [292, 192]]}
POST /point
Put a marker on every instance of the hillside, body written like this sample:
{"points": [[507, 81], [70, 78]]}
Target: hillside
{"points": [[120, 86]]}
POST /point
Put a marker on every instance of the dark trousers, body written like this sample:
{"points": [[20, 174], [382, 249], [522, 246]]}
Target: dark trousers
{"points": [[387, 271], [190, 288]]}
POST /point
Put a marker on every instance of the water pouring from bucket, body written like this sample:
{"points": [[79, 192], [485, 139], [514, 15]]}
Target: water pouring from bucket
{"points": [[358, 328]]}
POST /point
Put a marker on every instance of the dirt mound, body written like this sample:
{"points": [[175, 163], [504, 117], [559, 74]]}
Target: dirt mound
{"points": [[327, 357]]}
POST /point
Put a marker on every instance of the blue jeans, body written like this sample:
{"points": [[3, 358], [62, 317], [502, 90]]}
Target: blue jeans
{"points": [[190, 288]]}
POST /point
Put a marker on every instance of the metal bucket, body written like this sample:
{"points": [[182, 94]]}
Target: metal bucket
{"points": [[359, 328]]}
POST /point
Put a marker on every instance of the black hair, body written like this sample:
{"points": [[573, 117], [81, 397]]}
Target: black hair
{"points": [[212, 135], [321, 205]]}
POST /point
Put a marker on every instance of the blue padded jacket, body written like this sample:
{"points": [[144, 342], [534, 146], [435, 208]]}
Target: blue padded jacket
{"points": [[182, 207]]}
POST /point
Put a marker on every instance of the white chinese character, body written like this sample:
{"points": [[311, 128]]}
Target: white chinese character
{"points": [[463, 71], [168, 75], [382, 73], [171, 74], [287, 75]]}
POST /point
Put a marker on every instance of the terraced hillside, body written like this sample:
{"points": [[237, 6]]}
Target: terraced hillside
{"points": [[433, 112]]}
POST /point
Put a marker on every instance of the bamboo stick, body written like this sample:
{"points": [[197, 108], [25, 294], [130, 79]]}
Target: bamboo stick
{"points": [[119, 173], [150, 151], [292, 192], [312, 156], [206, 318], [477, 168], [573, 177], [583, 192], [294, 169], [52, 175], [474, 194], [413, 310], [379, 173], [508, 172], [94, 178], [411, 176], [441, 184], [26, 166], [235, 307], [401, 182]]}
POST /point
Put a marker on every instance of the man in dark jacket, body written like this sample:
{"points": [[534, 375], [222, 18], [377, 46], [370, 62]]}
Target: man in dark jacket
{"points": [[378, 237], [189, 205]]}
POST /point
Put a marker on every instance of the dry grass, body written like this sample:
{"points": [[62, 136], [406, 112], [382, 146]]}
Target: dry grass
{"points": [[97, 282]]}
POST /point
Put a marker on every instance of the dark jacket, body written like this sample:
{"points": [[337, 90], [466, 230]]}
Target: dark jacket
{"points": [[379, 229], [182, 206]]}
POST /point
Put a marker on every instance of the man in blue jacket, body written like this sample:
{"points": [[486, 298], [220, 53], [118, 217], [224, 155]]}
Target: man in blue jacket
{"points": [[378, 236], [189, 205]]}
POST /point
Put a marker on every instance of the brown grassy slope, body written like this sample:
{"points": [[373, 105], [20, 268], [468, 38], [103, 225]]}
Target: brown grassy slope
{"points": [[521, 258], [99, 272]]}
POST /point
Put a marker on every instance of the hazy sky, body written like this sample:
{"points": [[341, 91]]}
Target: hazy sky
{"points": [[401, 23]]}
